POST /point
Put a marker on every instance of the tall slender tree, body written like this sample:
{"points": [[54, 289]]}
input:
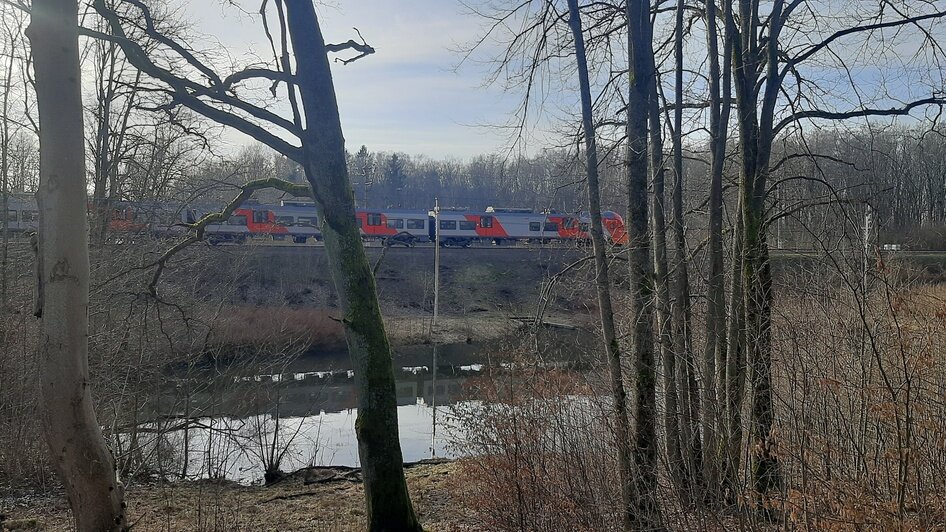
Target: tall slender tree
{"points": [[302, 66], [602, 276], [715, 349], [690, 441], [644, 432]]}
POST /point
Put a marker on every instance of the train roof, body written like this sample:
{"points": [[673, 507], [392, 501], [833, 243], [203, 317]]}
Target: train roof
{"points": [[397, 212]]}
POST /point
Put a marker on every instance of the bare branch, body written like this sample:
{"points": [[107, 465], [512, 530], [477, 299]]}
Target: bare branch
{"points": [[857, 113]]}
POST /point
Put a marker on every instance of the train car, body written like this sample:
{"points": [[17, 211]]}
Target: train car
{"points": [[499, 226], [614, 227], [244, 222], [22, 213], [295, 220], [394, 226], [462, 229], [300, 220]]}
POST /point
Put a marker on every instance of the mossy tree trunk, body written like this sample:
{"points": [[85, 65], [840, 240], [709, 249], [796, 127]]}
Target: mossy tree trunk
{"points": [[644, 411], [755, 110], [688, 403], [388, 502]]}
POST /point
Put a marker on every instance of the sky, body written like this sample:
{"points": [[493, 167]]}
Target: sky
{"points": [[407, 97]]}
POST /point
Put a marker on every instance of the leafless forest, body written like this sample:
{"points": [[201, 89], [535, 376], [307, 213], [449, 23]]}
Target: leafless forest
{"points": [[764, 349]]}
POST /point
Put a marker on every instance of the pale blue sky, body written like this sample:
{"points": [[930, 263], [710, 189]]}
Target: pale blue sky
{"points": [[407, 97]]}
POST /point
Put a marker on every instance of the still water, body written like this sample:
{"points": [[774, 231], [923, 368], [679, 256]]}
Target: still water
{"points": [[298, 418], [237, 448]]}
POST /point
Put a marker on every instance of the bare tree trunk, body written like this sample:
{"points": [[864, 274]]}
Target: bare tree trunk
{"points": [[602, 279], [755, 142], [73, 435], [5, 180], [644, 431], [665, 339], [714, 354], [690, 443], [388, 502], [106, 91]]}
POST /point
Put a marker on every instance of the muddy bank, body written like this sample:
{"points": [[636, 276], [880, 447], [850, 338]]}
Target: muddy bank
{"points": [[323, 499]]}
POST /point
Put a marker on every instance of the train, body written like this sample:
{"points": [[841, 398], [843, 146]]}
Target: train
{"points": [[298, 221]]}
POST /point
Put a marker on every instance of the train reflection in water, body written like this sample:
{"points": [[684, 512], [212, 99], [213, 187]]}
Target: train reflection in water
{"points": [[306, 393]]}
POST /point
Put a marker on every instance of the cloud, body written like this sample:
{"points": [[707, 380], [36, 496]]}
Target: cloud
{"points": [[406, 97]]}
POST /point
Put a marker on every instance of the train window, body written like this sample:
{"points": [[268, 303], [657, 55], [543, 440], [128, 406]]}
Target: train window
{"points": [[285, 220], [313, 221], [449, 225], [535, 226], [259, 217], [358, 220], [374, 218], [583, 227], [395, 223], [415, 223], [29, 216], [486, 222], [238, 219], [467, 226], [11, 215], [551, 227]]}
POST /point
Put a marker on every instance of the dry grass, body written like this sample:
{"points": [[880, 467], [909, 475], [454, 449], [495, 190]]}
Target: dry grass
{"points": [[337, 505], [246, 326]]}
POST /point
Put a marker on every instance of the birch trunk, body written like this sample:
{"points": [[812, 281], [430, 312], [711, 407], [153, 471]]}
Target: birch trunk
{"points": [[74, 437]]}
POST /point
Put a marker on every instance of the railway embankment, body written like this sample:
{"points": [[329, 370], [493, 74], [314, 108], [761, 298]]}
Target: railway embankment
{"points": [[484, 292]]}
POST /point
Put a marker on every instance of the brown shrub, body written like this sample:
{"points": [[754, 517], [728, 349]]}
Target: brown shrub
{"points": [[249, 326]]}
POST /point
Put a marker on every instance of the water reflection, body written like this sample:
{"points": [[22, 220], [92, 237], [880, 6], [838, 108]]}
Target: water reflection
{"points": [[234, 425], [238, 448]]}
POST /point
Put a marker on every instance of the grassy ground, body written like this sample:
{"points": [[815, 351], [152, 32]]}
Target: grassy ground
{"points": [[316, 500]]}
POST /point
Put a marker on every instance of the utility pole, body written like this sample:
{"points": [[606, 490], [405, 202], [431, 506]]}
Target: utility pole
{"points": [[436, 261], [868, 240], [433, 326]]}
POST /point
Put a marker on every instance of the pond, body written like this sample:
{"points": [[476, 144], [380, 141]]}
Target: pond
{"points": [[232, 426], [238, 448], [232, 421]]}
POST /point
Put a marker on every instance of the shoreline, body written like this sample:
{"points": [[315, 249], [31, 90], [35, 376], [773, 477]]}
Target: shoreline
{"points": [[318, 498]]}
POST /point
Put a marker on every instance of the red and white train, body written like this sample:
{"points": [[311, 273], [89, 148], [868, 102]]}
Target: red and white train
{"points": [[299, 221]]}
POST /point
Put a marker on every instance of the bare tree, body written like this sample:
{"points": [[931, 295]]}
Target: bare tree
{"points": [[665, 340], [690, 439], [306, 74], [602, 276], [73, 435], [714, 355], [642, 79], [763, 61]]}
